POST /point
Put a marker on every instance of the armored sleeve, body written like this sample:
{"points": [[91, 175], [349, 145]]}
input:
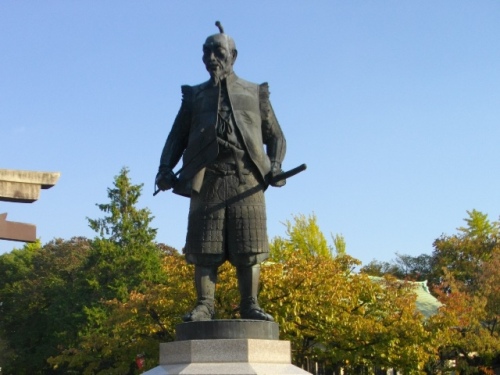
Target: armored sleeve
{"points": [[272, 135], [178, 137]]}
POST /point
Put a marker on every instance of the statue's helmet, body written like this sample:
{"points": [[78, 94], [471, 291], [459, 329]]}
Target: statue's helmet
{"points": [[221, 39]]}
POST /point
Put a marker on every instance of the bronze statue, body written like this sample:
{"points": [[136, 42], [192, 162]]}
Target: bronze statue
{"points": [[232, 148]]}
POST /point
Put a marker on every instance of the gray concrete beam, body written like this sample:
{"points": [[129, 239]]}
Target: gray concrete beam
{"points": [[24, 186]]}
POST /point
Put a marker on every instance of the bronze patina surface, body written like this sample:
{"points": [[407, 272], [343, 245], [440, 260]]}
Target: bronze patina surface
{"points": [[232, 148]]}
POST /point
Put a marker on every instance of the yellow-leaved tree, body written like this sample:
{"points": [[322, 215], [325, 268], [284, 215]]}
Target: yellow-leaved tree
{"points": [[331, 314], [336, 316]]}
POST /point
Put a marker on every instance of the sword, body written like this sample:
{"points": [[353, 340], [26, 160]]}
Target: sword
{"points": [[277, 178], [282, 176], [288, 174]]}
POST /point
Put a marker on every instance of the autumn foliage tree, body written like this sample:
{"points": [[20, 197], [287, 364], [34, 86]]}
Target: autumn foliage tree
{"points": [[464, 273], [467, 265], [123, 262], [135, 325], [469, 341], [330, 313], [91, 306], [336, 316], [465, 253]]}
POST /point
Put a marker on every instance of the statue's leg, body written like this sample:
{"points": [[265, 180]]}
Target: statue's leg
{"points": [[204, 245], [248, 283], [205, 279]]}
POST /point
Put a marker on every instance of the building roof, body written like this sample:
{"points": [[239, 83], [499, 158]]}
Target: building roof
{"points": [[426, 303]]}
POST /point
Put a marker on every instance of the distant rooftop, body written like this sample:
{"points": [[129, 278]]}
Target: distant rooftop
{"points": [[426, 303]]}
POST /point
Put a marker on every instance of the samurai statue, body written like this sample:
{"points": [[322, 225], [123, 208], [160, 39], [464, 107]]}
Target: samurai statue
{"points": [[232, 148]]}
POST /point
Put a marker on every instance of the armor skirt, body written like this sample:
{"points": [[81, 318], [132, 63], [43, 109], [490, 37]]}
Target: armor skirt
{"points": [[227, 219]]}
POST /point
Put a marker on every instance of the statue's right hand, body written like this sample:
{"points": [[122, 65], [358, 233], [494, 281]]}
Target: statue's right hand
{"points": [[165, 179]]}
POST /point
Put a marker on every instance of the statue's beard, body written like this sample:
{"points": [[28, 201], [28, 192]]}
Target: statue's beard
{"points": [[220, 74]]}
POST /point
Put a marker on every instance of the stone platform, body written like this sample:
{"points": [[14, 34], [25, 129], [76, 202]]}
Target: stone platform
{"points": [[219, 347], [227, 329]]}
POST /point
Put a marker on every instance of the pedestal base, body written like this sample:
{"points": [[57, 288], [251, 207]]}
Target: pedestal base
{"points": [[227, 356], [227, 329]]}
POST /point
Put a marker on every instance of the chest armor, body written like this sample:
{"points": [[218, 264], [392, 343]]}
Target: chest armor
{"points": [[202, 145]]}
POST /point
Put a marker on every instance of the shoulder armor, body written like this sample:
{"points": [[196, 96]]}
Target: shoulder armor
{"points": [[187, 92]]}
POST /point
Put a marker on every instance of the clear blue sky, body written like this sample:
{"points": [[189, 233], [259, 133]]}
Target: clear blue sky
{"points": [[393, 105]]}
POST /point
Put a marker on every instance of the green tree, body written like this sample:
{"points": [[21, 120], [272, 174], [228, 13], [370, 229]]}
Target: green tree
{"points": [[135, 325], [489, 278], [479, 226], [344, 319], [124, 255], [330, 313], [470, 339], [59, 300], [466, 267], [465, 270], [41, 303], [339, 245], [416, 268], [381, 268], [124, 261], [304, 236], [124, 224], [464, 253], [404, 267], [336, 316]]}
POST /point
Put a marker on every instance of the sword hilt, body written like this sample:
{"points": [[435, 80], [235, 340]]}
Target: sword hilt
{"points": [[288, 174]]}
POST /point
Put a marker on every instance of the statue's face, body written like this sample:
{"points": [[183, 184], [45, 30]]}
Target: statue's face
{"points": [[219, 56]]}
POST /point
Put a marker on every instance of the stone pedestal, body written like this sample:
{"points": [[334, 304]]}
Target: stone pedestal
{"points": [[217, 347]]}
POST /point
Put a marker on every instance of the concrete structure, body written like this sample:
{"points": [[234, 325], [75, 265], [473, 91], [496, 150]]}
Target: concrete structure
{"points": [[13, 231], [227, 356], [22, 187]]}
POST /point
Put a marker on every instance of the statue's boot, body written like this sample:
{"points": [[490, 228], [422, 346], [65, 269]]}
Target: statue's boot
{"points": [[205, 279], [248, 283]]}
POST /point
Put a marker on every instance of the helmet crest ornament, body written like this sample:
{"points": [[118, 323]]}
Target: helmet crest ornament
{"points": [[219, 25]]}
